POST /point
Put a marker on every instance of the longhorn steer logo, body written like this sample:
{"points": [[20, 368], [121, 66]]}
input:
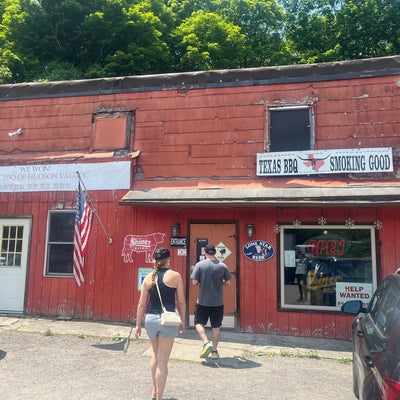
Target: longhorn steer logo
{"points": [[141, 244]]}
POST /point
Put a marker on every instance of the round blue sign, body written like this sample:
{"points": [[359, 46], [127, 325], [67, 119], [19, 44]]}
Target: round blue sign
{"points": [[258, 250]]}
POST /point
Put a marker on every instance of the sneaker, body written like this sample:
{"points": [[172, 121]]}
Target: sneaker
{"points": [[207, 348], [214, 355]]}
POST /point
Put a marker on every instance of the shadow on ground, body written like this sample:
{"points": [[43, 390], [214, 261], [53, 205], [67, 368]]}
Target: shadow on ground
{"points": [[116, 346], [231, 362]]}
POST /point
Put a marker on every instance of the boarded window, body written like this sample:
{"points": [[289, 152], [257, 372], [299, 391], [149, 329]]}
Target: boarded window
{"points": [[111, 130], [290, 129]]}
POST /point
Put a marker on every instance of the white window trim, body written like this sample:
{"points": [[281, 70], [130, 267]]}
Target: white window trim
{"points": [[303, 306]]}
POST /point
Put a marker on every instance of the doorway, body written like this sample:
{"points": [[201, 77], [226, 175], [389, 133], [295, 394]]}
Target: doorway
{"points": [[14, 239], [223, 237]]}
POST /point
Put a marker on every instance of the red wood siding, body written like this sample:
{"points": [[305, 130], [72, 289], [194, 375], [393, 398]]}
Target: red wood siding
{"points": [[110, 291], [190, 137]]}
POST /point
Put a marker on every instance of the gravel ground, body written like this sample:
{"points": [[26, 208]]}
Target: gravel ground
{"points": [[34, 366]]}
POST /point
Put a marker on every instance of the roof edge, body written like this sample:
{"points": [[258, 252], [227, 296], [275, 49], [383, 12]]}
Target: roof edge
{"points": [[338, 70]]}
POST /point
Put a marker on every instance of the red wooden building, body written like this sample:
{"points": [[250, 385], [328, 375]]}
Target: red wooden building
{"points": [[292, 172]]}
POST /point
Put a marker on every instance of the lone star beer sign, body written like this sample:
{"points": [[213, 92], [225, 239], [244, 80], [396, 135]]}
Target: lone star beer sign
{"points": [[258, 250], [337, 161]]}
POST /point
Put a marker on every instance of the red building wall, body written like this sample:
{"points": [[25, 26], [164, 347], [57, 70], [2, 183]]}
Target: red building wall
{"points": [[189, 137]]}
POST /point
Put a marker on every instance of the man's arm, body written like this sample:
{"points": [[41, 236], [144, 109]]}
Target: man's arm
{"points": [[228, 276], [194, 276]]}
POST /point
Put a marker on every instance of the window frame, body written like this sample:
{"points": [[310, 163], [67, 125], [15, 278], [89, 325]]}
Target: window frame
{"points": [[47, 272], [285, 305], [288, 108]]}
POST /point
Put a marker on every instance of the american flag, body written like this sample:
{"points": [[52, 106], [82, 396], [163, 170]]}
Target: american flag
{"points": [[83, 223]]}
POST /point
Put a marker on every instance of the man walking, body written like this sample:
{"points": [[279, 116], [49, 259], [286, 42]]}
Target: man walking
{"points": [[210, 275]]}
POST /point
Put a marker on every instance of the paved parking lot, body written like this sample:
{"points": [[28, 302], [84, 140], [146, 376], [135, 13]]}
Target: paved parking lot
{"points": [[47, 359]]}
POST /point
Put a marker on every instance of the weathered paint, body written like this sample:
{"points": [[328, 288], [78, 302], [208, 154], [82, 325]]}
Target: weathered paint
{"points": [[194, 136]]}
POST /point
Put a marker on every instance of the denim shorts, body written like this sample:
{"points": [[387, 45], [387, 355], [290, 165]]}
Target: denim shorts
{"points": [[154, 329]]}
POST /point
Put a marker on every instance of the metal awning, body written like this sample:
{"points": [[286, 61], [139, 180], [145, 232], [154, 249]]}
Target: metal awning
{"points": [[338, 196]]}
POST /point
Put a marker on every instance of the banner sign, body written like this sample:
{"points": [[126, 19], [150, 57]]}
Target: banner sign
{"points": [[337, 161], [63, 177]]}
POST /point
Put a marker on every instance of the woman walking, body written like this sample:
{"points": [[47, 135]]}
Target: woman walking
{"points": [[161, 337]]}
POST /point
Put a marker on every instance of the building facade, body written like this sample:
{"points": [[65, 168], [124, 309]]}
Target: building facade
{"points": [[292, 172]]}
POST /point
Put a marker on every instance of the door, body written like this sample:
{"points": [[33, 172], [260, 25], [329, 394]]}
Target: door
{"points": [[223, 237], [14, 239]]}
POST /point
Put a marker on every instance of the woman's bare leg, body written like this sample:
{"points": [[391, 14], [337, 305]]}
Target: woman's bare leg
{"points": [[153, 366], [161, 352]]}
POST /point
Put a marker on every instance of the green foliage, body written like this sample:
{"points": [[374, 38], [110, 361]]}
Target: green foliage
{"points": [[207, 41], [45, 40], [369, 28]]}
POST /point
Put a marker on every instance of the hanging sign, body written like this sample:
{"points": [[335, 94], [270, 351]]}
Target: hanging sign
{"points": [[258, 250]]}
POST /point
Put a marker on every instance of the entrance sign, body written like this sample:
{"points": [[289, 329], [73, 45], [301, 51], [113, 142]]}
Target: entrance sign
{"points": [[336, 161], [258, 250], [177, 241]]}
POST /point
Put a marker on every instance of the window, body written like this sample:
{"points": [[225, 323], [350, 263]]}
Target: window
{"points": [[60, 243], [290, 129], [323, 267], [11, 245], [384, 308]]}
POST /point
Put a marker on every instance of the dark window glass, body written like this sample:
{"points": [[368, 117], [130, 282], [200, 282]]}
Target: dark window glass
{"points": [[325, 267], [60, 243], [385, 308], [290, 129], [61, 227]]}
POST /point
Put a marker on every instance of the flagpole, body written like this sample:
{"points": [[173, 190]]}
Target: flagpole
{"points": [[93, 208]]}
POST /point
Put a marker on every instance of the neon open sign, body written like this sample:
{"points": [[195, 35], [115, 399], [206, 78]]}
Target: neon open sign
{"points": [[327, 246]]}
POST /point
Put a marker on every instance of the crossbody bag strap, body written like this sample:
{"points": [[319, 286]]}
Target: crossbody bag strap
{"points": [[159, 294]]}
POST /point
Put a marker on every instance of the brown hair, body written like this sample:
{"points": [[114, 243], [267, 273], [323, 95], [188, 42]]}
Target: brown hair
{"points": [[157, 264]]}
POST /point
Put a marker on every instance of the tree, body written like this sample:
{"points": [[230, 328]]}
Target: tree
{"points": [[261, 21], [207, 41], [12, 20], [124, 42], [369, 28], [311, 30], [73, 39]]}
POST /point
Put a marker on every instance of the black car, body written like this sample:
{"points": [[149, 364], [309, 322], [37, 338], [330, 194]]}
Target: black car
{"points": [[376, 342]]}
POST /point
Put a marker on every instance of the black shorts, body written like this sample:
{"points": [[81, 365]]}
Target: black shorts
{"points": [[203, 313]]}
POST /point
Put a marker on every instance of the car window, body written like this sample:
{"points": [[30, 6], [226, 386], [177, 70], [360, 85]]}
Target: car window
{"points": [[384, 308]]}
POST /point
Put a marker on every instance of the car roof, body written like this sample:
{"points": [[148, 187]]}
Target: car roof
{"points": [[395, 278]]}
